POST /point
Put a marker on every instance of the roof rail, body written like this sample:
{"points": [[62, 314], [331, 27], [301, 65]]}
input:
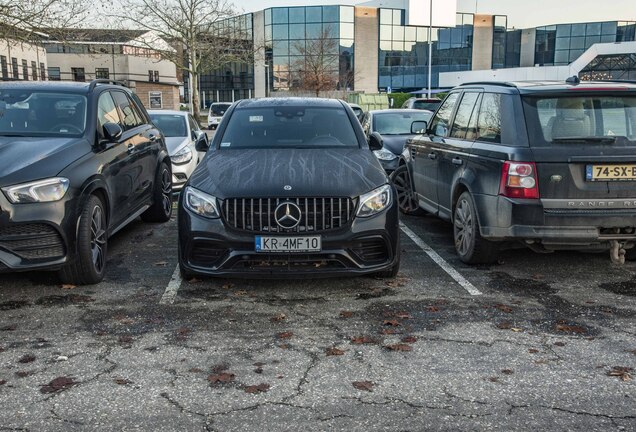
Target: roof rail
{"points": [[500, 83], [609, 81], [104, 81]]}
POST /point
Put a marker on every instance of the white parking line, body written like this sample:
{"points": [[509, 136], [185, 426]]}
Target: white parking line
{"points": [[173, 286], [440, 261]]}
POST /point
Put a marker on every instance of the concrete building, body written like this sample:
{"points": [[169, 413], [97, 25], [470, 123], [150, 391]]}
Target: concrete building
{"points": [[383, 45], [87, 54], [22, 61]]}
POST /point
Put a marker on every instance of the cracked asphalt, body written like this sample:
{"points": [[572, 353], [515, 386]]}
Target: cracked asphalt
{"points": [[549, 345]]}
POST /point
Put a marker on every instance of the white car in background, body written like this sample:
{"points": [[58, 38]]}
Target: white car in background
{"points": [[182, 134], [217, 110]]}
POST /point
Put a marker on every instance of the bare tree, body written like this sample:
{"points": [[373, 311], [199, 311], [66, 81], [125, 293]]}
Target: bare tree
{"points": [[25, 20], [200, 34], [318, 64]]}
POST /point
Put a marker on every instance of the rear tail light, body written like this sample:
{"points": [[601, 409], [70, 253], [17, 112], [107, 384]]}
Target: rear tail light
{"points": [[519, 180]]}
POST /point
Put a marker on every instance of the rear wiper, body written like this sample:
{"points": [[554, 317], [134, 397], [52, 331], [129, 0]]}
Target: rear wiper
{"points": [[598, 139]]}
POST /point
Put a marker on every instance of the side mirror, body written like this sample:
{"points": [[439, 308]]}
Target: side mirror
{"points": [[419, 127], [202, 144], [112, 131], [375, 141]]}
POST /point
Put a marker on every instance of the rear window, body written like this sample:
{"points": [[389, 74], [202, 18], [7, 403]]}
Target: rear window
{"points": [[289, 127], [172, 125], [575, 119], [423, 105], [219, 109]]}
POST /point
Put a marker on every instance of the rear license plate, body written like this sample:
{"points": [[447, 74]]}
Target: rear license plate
{"points": [[288, 244], [610, 172]]}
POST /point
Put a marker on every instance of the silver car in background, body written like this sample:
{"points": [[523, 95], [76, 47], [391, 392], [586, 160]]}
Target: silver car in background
{"points": [[182, 133]]}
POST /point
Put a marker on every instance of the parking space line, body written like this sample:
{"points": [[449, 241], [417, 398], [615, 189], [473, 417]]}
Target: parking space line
{"points": [[173, 286], [440, 261]]}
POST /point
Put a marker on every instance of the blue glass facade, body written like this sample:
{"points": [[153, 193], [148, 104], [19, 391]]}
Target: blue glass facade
{"points": [[291, 34], [561, 44], [403, 51]]}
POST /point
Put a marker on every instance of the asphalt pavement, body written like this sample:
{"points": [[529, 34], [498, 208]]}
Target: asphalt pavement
{"points": [[536, 342]]}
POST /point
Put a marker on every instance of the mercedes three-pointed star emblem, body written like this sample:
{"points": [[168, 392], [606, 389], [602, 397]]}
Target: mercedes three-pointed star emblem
{"points": [[287, 215]]}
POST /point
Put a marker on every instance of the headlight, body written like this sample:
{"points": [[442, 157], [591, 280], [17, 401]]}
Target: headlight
{"points": [[48, 190], [375, 201], [384, 154], [200, 203], [182, 156]]}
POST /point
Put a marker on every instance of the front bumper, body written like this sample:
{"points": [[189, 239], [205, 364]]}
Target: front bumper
{"points": [[503, 219], [365, 246], [36, 236], [182, 172]]}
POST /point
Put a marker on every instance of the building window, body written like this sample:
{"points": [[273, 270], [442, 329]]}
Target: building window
{"points": [[34, 71], [153, 76], [78, 74], [102, 73], [5, 67], [156, 76], [42, 72], [14, 67], [25, 70], [54, 73]]}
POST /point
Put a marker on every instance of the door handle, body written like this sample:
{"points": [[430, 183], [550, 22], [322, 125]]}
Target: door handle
{"points": [[457, 161], [432, 156], [131, 148], [152, 138]]}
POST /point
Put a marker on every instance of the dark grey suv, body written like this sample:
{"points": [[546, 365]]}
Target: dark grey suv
{"points": [[546, 165]]}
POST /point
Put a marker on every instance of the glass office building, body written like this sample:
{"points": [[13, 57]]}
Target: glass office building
{"points": [[403, 51], [562, 44], [294, 33]]}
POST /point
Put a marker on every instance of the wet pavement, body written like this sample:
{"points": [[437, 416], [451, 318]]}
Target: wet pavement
{"points": [[549, 344]]}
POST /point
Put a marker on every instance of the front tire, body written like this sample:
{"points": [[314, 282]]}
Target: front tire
{"points": [[471, 247], [92, 244], [407, 200], [161, 209]]}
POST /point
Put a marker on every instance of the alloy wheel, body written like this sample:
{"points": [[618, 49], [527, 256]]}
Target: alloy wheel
{"points": [[166, 190], [98, 238], [405, 194], [464, 226]]}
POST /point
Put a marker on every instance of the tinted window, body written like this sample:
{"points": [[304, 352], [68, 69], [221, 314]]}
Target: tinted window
{"points": [[398, 123], [289, 127], [489, 123], [130, 117], [219, 109], [464, 113], [423, 105], [171, 125], [106, 110], [30, 113], [441, 121], [564, 118]]}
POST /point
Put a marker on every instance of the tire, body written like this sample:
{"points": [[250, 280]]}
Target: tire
{"points": [[161, 208], [394, 270], [471, 247], [92, 244], [407, 202], [630, 254]]}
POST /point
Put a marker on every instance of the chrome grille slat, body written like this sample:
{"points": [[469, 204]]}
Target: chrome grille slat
{"points": [[317, 214]]}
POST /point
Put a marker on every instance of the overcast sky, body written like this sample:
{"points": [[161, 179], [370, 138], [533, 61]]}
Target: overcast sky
{"points": [[521, 13]]}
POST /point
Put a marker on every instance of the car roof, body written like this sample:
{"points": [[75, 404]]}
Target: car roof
{"points": [[399, 110], [64, 86], [529, 87], [423, 99], [290, 101], [172, 112]]}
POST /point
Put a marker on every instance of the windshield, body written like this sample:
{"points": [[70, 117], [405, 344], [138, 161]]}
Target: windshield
{"points": [[424, 105], [219, 109], [564, 119], [171, 125], [35, 113], [398, 123], [289, 127]]}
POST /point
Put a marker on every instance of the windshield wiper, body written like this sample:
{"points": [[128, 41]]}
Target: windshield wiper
{"points": [[595, 139]]}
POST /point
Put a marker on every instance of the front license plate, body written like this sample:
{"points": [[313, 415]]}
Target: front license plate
{"points": [[610, 172], [288, 244]]}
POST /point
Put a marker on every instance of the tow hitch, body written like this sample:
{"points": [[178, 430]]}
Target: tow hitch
{"points": [[617, 252]]}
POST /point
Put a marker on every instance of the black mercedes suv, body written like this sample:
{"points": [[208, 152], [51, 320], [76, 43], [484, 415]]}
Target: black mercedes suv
{"points": [[78, 161], [289, 187], [548, 165]]}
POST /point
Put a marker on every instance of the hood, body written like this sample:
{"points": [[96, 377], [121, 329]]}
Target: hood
{"points": [[309, 172], [23, 159], [174, 144], [395, 143]]}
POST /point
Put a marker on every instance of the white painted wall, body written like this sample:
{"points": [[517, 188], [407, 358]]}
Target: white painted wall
{"points": [[22, 51]]}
